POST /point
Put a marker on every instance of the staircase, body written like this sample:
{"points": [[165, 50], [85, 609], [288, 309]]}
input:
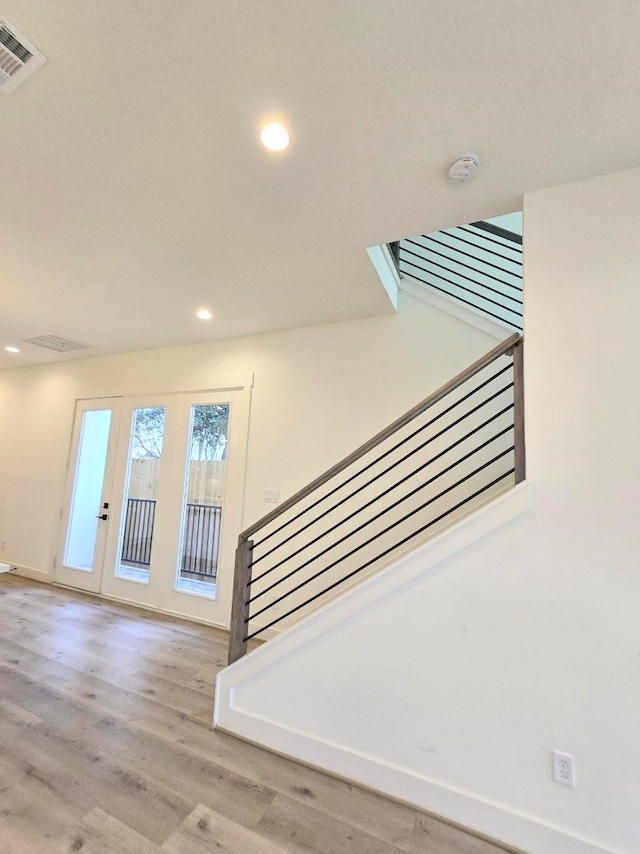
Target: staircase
{"points": [[453, 452], [478, 266]]}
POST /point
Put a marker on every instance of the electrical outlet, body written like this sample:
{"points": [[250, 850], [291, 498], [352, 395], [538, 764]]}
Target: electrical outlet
{"points": [[564, 770], [271, 496], [3, 544]]}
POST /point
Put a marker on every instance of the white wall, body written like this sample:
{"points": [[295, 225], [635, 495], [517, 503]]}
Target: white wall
{"points": [[453, 690], [318, 393]]}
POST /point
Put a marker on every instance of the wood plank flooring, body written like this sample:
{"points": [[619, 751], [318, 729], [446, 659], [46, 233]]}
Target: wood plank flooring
{"points": [[106, 745]]}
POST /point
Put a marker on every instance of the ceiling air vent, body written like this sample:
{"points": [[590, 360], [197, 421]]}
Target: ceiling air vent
{"points": [[18, 58], [57, 343]]}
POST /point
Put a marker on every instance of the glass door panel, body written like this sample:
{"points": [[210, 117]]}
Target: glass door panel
{"points": [[87, 490], [86, 511], [204, 504], [201, 515], [139, 505]]}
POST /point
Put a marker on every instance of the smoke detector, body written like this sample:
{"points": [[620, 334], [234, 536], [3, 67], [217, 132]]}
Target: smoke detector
{"points": [[18, 58], [464, 168]]}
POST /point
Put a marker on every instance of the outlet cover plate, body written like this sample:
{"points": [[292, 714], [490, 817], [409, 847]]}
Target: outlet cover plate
{"points": [[564, 770]]}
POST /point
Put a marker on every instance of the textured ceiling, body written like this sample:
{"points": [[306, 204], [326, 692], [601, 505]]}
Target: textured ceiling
{"points": [[134, 188]]}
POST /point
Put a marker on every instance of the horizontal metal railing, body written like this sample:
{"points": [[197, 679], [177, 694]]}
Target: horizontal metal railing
{"points": [[200, 541], [479, 265], [450, 453]]}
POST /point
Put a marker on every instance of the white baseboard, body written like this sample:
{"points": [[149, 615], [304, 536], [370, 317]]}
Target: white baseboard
{"points": [[36, 574], [489, 819], [143, 607]]}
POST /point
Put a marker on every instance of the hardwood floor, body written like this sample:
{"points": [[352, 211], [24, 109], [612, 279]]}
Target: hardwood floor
{"points": [[106, 745]]}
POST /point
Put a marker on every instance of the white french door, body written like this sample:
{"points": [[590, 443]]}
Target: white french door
{"points": [[173, 487]]}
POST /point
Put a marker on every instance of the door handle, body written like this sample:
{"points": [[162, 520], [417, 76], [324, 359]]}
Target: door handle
{"points": [[103, 516]]}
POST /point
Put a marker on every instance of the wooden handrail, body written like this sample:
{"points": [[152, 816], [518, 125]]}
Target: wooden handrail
{"points": [[429, 401]]}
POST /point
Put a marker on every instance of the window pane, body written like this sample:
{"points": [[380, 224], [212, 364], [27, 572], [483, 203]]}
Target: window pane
{"points": [[87, 489], [202, 509], [147, 434]]}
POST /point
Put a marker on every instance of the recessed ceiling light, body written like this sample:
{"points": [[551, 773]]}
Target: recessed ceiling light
{"points": [[204, 314], [12, 349], [274, 137]]}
